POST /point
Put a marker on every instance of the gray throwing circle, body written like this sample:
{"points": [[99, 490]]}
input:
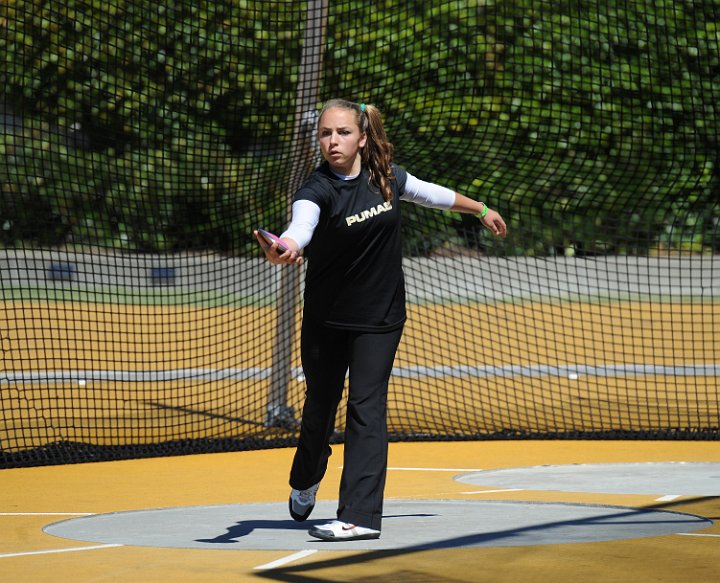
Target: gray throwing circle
{"points": [[407, 524], [654, 478]]}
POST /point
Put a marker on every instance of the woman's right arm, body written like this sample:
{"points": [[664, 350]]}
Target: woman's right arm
{"points": [[305, 218]]}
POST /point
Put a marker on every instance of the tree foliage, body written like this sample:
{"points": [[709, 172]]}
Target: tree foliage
{"points": [[162, 126]]}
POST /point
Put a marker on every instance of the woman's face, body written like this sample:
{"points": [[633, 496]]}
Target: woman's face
{"points": [[341, 141]]}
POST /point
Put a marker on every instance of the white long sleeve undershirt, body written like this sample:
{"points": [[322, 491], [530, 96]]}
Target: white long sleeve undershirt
{"points": [[306, 214]]}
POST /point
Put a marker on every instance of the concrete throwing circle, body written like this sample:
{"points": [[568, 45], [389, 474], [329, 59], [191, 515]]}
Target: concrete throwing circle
{"points": [[661, 478], [407, 524]]}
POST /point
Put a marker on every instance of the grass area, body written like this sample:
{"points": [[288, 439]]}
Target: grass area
{"points": [[172, 296], [161, 296]]}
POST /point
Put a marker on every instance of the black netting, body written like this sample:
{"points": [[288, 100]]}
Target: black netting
{"points": [[142, 142]]}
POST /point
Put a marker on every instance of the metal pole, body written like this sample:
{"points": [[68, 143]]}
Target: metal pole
{"points": [[279, 412]]}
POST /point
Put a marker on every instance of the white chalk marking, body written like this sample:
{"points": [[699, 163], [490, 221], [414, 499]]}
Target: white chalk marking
{"points": [[435, 469], [698, 534], [285, 560], [494, 491], [668, 498], [51, 551], [46, 513]]}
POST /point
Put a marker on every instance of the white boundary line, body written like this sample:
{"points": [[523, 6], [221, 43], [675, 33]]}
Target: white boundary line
{"points": [[50, 551], [430, 469], [46, 513], [697, 534], [494, 491], [406, 372], [285, 560]]}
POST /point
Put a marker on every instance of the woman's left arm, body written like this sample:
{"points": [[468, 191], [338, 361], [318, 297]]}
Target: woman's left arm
{"points": [[429, 194], [491, 219]]}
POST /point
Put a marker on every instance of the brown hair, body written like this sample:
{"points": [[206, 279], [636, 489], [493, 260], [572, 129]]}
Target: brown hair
{"points": [[377, 153]]}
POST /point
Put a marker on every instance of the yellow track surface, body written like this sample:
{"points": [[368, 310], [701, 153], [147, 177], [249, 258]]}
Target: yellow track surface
{"points": [[33, 497]]}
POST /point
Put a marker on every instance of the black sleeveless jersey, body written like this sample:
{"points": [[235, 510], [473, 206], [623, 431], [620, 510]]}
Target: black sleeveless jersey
{"points": [[354, 277]]}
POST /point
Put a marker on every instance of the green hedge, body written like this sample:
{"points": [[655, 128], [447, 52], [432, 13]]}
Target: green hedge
{"points": [[164, 126]]}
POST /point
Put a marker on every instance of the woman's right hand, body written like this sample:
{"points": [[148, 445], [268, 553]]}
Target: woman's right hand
{"points": [[275, 256]]}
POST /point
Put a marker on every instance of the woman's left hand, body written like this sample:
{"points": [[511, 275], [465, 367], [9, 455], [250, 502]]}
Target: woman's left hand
{"points": [[493, 221]]}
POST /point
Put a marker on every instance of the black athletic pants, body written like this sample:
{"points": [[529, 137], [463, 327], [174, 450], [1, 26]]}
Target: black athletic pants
{"points": [[327, 354]]}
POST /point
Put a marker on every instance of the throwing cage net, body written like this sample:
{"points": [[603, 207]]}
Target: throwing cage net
{"points": [[142, 142]]}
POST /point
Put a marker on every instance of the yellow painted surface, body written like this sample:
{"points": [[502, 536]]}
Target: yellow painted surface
{"points": [[37, 336], [47, 336], [115, 337], [29, 495]]}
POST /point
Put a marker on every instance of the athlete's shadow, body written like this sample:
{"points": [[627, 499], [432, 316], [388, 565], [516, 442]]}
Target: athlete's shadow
{"points": [[246, 527]]}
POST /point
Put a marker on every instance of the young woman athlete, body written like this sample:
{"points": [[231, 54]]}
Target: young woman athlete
{"points": [[346, 217]]}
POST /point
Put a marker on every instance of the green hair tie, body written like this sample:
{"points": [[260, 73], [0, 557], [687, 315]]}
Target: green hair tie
{"points": [[362, 107]]}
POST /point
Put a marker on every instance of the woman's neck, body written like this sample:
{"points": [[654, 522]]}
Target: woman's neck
{"points": [[344, 176], [349, 172]]}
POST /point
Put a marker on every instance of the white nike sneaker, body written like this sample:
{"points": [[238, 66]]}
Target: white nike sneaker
{"points": [[337, 530], [302, 502]]}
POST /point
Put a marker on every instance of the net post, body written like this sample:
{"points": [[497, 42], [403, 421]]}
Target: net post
{"points": [[279, 412]]}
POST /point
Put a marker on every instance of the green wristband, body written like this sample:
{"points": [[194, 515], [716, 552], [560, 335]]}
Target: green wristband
{"points": [[484, 211]]}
